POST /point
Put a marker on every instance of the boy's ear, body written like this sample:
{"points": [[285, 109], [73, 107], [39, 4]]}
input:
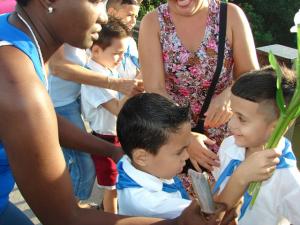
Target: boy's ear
{"points": [[111, 12], [140, 157], [96, 50]]}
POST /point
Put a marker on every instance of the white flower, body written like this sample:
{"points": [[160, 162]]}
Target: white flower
{"points": [[297, 22]]}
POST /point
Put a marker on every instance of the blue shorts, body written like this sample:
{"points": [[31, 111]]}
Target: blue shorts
{"points": [[80, 164], [11, 215]]}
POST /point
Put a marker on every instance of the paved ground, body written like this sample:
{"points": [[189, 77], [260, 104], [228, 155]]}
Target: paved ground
{"points": [[18, 200]]}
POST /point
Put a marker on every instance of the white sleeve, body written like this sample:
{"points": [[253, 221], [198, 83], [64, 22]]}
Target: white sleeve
{"points": [[4, 43], [140, 202], [289, 191], [133, 47], [96, 96], [222, 157]]}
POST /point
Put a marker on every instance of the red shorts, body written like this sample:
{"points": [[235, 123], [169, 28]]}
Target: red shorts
{"points": [[106, 169]]}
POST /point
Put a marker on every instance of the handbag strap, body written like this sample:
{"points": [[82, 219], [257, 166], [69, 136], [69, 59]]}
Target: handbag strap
{"points": [[221, 48]]}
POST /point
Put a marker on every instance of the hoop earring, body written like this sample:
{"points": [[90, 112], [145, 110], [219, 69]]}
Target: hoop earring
{"points": [[50, 9]]}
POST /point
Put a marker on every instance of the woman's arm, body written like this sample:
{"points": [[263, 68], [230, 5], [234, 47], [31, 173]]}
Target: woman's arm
{"points": [[61, 67], [150, 54], [245, 59], [244, 52], [28, 130], [83, 141]]}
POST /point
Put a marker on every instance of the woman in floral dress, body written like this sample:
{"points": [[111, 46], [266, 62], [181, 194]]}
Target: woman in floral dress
{"points": [[178, 46]]}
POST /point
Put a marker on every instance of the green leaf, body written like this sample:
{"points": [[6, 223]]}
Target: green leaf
{"points": [[287, 117], [298, 59], [298, 39], [279, 94], [297, 113], [255, 194]]}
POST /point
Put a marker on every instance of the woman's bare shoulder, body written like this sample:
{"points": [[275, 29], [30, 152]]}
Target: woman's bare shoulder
{"points": [[150, 21], [235, 14]]}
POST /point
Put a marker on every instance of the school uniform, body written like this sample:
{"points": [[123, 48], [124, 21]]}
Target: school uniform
{"points": [[142, 194], [102, 122], [277, 202]]}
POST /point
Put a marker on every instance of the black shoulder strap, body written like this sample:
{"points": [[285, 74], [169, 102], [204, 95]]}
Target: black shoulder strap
{"points": [[221, 47]]}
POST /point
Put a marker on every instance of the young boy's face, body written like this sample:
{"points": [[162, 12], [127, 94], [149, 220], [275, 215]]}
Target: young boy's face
{"points": [[112, 55], [170, 159], [127, 14], [250, 124]]}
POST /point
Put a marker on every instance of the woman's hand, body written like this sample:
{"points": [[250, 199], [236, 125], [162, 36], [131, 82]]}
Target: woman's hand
{"points": [[200, 154], [219, 110], [193, 216], [259, 166]]}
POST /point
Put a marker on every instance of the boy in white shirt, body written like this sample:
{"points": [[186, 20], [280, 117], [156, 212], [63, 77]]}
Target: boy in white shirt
{"points": [[155, 134], [127, 11], [255, 114], [100, 106]]}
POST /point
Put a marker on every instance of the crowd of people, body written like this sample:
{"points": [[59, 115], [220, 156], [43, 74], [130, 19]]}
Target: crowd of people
{"points": [[182, 98]]}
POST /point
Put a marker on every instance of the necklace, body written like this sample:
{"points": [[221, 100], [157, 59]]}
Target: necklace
{"points": [[37, 46]]}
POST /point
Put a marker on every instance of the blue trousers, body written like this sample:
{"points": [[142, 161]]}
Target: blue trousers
{"points": [[80, 164]]}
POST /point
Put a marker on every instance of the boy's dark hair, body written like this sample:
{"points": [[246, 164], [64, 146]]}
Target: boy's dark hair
{"points": [[260, 85], [113, 29], [146, 121], [117, 3]]}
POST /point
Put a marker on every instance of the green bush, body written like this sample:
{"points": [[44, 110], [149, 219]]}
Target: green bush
{"points": [[149, 5], [271, 20]]}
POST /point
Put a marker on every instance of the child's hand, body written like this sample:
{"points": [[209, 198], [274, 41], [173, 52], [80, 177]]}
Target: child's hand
{"points": [[259, 166], [139, 85], [126, 86]]}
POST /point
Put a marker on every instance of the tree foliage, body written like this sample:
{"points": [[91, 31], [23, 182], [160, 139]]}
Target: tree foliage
{"points": [[270, 20]]}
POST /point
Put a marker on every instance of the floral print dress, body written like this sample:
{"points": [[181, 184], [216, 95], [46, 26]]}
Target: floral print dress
{"points": [[188, 75]]}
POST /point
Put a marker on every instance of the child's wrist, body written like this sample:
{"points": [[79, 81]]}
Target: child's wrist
{"points": [[241, 178], [112, 84], [109, 84]]}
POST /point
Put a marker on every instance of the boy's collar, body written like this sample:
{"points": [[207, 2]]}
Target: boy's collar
{"points": [[93, 65], [236, 152], [144, 179]]}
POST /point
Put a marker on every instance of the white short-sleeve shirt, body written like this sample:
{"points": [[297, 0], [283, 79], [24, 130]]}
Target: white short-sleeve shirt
{"points": [[101, 120], [64, 92], [278, 199], [149, 200]]}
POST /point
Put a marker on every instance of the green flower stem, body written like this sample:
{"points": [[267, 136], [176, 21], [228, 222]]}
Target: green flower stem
{"points": [[286, 116]]}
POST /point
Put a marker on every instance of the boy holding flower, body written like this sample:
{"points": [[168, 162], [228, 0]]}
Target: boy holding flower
{"points": [[255, 115]]}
